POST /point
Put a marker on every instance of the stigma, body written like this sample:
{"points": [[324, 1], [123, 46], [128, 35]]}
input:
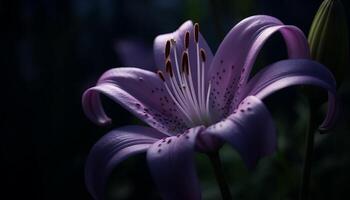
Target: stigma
{"points": [[186, 84]]}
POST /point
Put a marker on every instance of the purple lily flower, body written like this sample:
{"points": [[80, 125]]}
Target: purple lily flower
{"points": [[197, 101]]}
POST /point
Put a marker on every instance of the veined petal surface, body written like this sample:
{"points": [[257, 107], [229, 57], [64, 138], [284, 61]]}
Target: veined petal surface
{"points": [[249, 129], [139, 91], [292, 72], [236, 55], [172, 165]]}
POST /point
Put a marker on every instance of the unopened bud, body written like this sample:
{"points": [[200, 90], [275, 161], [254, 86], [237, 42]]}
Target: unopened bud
{"points": [[328, 38]]}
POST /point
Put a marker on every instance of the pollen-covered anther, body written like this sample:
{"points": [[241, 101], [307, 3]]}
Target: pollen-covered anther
{"points": [[187, 39], [196, 32], [168, 67], [203, 56], [184, 63], [167, 49], [161, 76], [173, 42]]}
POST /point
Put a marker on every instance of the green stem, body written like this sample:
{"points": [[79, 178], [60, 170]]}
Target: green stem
{"points": [[304, 192], [220, 176]]}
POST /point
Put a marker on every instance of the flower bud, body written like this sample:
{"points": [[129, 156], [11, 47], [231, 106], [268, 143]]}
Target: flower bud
{"points": [[328, 38]]}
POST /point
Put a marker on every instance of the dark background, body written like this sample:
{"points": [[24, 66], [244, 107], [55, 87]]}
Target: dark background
{"points": [[51, 51]]}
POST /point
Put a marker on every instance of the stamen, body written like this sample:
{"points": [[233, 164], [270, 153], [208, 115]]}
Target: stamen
{"points": [[184, 63], [177, 100], [175, 86], [161, 76], [173, 42], [187, 84], [181, 85], [178, 93], [192, 102], [203, 55], [199, 77], [167, 49], [207, 101], [168, 67], [192, 91], [196, 32], [186, 88], [178, 105], [187, 39]]}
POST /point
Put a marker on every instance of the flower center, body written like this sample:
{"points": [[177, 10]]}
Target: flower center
{"points": [[191, 98]]}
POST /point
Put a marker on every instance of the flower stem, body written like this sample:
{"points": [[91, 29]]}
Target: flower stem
{"points": [[220, 177], [304, 192]]}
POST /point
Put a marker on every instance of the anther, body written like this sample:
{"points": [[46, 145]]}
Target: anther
{"points": [[203, 55], [167, 49], [185, 63], [161, 76], [196, 32], [168, 67], [187, 39]]}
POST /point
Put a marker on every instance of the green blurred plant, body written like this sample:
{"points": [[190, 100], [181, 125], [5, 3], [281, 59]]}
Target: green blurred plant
{"points": [[329, 45], [328, 38]]}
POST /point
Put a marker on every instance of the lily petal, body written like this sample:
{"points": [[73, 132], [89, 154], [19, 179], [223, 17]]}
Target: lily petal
{"points": [[139, 91], [172, 166], [250, 130], [113, 148], [292, 72], [237, 53], [178, 36]]}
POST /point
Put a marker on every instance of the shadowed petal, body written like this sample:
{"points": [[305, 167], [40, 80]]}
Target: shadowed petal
{"points": [[172, 165], [112, 149], [250, 130], [139, 91], [287, 73], [178, 36], [237, 53]]}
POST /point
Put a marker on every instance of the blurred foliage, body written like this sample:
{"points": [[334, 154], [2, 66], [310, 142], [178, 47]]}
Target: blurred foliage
{"points": [[53, 50]]}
